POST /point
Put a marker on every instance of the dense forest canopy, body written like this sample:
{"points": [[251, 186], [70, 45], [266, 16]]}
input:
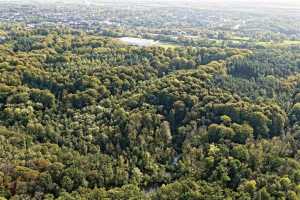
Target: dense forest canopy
{"points": [[211, 111]]}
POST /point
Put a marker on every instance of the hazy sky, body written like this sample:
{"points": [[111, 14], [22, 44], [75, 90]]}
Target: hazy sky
{"points": [[181, 1], [255, 3], [220, 3]]}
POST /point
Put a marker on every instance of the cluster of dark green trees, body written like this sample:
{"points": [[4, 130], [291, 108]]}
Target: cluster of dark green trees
{"points": [[87, 117]]}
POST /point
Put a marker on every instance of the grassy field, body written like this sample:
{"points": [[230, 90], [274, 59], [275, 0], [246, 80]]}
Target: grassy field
{"points": [[279, 44], [168, 45]]}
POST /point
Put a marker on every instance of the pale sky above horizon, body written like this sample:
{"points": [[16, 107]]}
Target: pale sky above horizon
{"points": [[182, 1], [257, 3]]}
